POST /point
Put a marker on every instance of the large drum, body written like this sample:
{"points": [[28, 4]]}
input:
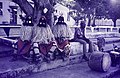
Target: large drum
{"points": [[99, 61], [115, 58]]}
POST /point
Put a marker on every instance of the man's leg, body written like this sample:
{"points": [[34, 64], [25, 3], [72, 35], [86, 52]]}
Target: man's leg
{"points": [[90, 45], [84, 48], [84, 45], [52, 52], [37, 55]]}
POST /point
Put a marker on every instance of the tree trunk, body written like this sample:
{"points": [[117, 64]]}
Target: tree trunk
{"points": [[50, 13], [114, 21], [36, 15], [94, 11], [40, 5], [25, 6], [37, 10], [89, 20], [93, 25], [50, 18]]}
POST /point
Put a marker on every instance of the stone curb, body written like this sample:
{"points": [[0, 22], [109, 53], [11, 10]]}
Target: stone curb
{"points": [[39, 67], [27, 70], [112, 74]]}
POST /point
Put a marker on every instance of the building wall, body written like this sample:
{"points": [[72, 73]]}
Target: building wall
{"points": [[106, 22], [62, 10], [118, 22], [19, 21], [6, 15]]}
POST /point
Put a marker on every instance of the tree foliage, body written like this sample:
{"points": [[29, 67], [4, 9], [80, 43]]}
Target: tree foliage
{"points": [[89, 6], [101, 8]]}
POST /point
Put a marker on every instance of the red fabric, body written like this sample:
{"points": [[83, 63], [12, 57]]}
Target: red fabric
{"points": [[45, 48], [63, 44], [20, 46]]}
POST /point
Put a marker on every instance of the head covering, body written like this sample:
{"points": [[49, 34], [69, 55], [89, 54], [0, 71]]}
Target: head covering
{"points": [[24, 22], [28, 21], [61, 20], [42, 22]]}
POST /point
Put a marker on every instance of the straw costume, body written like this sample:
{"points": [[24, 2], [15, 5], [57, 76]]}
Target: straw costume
{"points": [[43, 39], [62, 34], [23, 45]]}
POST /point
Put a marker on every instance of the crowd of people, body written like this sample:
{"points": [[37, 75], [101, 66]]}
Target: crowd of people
{"points": [[45, 43]]}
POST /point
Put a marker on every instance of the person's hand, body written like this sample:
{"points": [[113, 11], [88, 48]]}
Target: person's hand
{"points": [[54, 43]]}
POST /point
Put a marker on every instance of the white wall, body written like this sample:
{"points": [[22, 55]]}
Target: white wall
{"points": [[19, 21], [102, 22], [6, 14], [118, 22], [107, 22], [64, 10]]}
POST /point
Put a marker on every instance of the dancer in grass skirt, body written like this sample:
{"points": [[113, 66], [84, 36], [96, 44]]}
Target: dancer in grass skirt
{"points": [[62, 34], [43, 39]]}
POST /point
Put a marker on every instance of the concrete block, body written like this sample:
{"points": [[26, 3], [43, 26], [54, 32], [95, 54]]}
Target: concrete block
{"points": [[77, 48], [2, 32], [14, 32]]}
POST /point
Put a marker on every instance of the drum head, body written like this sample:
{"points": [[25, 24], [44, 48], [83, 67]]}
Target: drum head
{"points": [[106, 62]]}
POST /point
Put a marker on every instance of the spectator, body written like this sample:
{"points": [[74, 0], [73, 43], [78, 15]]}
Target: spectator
{"points": [[82, 26], [79, 37]]}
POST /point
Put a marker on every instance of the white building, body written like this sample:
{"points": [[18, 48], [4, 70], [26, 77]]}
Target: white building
{"points": [[9, 12], [62, 10]]}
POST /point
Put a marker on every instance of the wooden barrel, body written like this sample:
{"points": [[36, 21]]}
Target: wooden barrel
{"points": [[99, 61]]}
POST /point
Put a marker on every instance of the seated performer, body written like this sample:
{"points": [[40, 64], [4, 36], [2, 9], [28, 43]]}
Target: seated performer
{"points": [[23, 44], [43, 39], [62, 34]]}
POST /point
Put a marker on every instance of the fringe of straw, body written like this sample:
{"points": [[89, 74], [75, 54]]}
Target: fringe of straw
{"points": [[43, 35], [26, 33], [62, 31]]}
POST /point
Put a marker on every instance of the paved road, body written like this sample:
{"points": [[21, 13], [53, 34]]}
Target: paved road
{"points": [[72, 71], [117, 76]]}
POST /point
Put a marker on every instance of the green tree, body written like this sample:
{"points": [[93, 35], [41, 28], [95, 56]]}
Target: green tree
{"points": [[90, 7], [101, 8], [114, 11]]}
